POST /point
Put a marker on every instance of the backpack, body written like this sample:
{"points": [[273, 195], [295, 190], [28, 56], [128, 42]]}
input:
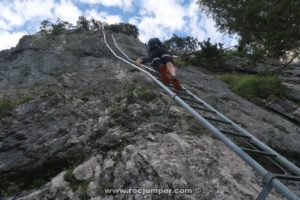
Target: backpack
{"points": [[154, 43]]}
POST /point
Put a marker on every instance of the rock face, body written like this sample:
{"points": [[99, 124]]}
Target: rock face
{"points": [[79, 124], [274, 130], [290, 78]]}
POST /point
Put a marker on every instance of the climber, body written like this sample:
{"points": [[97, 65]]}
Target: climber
{"points": [[161, 61]]}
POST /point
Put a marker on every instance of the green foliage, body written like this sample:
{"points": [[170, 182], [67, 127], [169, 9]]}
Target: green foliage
{"points": [[87, 93], [61, 27], [24, 100], [95, 25], [183, 46], [281, 128], [179, 61], [210, 54], [8, 105], [254, 86], [232, 53], [83, 185], [257, 55], [75, 184], [69, 177], [125, 28], [83, 25], [45, 26], [272, 25], [38, 183], [136, 91], [211, 51]]}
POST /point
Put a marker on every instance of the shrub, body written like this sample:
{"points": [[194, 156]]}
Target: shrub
{"points": [[8, 105], [182, 44], [83, 24], [232, 53], [38, 183], [61, 27], [209, 55], [45, 26], [125, 28], [74, 183], [256, 55], [179, 61], [136, 91]]}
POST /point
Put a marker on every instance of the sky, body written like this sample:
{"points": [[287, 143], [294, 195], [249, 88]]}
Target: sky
{"points": [[154, 18]]}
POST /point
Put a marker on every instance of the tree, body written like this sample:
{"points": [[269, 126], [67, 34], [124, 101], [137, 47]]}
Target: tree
{"points": [[83, 24], [269, 24], [45, 26], [210, 55], [61, 27], [182, 45], [96, 25], [125, 28]]}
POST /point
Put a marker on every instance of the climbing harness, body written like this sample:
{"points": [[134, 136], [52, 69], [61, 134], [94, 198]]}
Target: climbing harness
{"points": [[272, 166]]}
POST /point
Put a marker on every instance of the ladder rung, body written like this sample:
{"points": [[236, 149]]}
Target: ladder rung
{"points": [[235, 134], [286, 177], [258, 152], [179, 92], [217, 120], [191, 100], [204, 109]]}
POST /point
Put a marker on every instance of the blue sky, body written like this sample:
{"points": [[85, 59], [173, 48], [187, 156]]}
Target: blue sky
{"points": [[154, 18]]}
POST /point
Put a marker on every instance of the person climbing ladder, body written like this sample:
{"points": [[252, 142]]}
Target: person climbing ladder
{"points": [[161, 61]]}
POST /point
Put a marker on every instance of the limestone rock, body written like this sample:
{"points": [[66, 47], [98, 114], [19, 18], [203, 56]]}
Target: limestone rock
{"points": [[77, 107]]}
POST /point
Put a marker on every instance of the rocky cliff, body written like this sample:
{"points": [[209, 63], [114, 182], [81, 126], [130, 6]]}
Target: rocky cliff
{"points": [[74, 122]]}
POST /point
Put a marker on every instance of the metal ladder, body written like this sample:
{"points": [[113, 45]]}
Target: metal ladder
{"points": [[267, 162]]}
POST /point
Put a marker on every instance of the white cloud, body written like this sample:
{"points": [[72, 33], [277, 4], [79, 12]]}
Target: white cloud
{"points": [[103, 16], [166, 17], [203, 27], [154, 18], [67, 11], [159, 19], [16, 13], [168, 13], [148, 28], [8, 39], [4, 25], [123, 4]]}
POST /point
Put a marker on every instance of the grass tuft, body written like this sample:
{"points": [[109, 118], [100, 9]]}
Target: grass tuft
{"points": [[8, 105], [252, 87]]}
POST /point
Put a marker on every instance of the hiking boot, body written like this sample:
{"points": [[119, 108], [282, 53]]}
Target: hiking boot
{"points": [[176, 84], [164, 75]]}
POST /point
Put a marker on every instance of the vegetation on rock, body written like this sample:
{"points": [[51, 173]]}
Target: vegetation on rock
{"points": [[254, 86], [84, 25]]}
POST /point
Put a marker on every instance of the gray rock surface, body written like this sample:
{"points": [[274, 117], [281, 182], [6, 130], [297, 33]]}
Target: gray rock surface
{"points": [[290, 78], [80, 124], [276, 131]]}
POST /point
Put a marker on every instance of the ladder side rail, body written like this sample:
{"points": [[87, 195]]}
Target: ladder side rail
{"points": [[277, 184]]}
